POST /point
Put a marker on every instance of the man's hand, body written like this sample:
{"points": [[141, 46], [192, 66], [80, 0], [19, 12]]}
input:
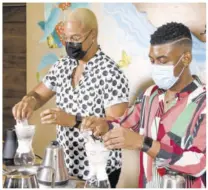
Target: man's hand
{"points": [[24, 108], [99, 126], [122, 138], [55, 116]]}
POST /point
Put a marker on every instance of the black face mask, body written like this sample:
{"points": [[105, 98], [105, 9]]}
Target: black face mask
{"points": [[74, 49]]}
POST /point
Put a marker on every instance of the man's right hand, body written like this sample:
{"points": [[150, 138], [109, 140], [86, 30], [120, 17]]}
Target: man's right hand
{"points": [[24, 108], [98, 126]]}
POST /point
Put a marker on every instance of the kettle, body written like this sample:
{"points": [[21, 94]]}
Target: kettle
{"points": [[23, 178], [10, 146], [54, 158], [173, 180]]}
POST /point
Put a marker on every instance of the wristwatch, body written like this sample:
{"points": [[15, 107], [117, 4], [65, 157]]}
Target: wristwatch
{"points": [[110, 125], [147, 144], [78, 119]]}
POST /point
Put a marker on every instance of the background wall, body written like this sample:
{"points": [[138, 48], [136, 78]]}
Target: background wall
{"points": [[124, 31], [14, 58]]}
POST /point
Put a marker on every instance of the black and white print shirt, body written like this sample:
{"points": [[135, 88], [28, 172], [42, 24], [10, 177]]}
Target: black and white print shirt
{"points": [[102, 85]]}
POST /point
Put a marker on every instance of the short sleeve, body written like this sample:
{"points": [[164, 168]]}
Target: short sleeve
{"points": [[116, 88], [51, 78]]}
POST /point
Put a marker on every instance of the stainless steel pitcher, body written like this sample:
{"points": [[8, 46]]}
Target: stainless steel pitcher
{"points": [[22, 178], [173, 180], [54, 158]]}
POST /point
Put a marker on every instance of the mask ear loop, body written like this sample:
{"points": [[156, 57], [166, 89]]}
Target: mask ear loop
{"points": [[178, 63]]}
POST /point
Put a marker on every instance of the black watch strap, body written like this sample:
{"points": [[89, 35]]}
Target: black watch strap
{"points": [[147, 144], [78, 119]]}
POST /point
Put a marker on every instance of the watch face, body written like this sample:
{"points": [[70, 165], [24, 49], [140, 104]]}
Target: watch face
{"points": [[78, 118]]}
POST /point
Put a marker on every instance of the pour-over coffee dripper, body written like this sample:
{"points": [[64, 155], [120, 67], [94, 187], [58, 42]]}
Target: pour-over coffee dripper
{"points": [[24, 153]]}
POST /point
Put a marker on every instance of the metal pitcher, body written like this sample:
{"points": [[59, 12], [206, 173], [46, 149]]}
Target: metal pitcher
{"points": [[22, 178], [173, 180], [54, 158]]}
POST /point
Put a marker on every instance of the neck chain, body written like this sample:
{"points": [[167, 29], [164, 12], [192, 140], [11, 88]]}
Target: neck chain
{"points": [[170, 100]]}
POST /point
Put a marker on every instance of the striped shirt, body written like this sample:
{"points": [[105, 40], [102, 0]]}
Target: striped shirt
{"points": [[181, 132]]}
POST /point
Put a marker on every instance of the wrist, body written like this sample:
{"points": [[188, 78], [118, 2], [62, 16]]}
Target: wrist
{"points": [[109, 125], [147, 144], [140, 141], [30, 100], [71, 119]]}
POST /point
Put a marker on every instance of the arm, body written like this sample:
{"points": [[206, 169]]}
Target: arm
{"points": [[41, 94], [129, 119], [32, 101], [191, 161]]}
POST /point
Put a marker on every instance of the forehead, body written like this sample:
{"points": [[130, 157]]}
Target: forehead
{"points": [[164, 49], [73, 27]]}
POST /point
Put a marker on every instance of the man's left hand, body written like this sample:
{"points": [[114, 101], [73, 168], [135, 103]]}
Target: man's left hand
{"points": [[122, 138], [55, 116]]}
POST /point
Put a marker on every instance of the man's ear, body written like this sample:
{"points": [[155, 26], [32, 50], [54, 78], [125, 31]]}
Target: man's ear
{"points": [[94, 33], [187, 58]]}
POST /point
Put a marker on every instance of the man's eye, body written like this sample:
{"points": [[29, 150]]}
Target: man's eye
{"points": [[152, 61]]}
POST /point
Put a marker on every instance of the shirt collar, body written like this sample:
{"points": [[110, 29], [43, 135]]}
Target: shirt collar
{"points": [[188, 89], [92, 62]]}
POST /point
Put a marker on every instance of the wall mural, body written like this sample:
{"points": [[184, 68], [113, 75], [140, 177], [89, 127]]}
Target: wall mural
{"points": [[129, 24]]}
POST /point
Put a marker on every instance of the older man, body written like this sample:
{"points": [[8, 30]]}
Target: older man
{"points": [[168, 121], [86, 82]]}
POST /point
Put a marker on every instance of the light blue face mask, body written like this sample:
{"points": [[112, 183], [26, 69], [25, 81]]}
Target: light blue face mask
{"points": [[163, 75]]}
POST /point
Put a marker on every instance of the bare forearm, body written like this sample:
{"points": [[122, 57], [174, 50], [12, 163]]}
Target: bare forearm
{"points": [[40, 95], [37, 99]]}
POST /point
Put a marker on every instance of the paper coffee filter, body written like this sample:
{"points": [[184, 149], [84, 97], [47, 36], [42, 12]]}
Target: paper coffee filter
{"points": [[24, 131]]}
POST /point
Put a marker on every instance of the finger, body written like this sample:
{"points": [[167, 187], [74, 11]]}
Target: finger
{"points": [[29, 114], [113, 141], [111, 134], [97, 132], [24, 110], [88, 123], [56, 109], [48, 122], [19, 112], [115, 146], [48, 117], [24, 113], [14, 111], [46, 112], [92, 127]]}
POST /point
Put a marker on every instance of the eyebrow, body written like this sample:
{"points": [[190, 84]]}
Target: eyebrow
{"points": [[159, 57]]}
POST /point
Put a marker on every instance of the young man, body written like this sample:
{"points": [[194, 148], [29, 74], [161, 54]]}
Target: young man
{"points": [[168, 121]]}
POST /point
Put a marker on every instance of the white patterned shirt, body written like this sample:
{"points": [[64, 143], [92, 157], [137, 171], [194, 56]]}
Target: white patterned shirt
{"points": [[102, 85]]}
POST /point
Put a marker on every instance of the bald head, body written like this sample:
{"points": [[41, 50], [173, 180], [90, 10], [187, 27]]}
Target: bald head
{"points": [[81, 27], [84, 18]]}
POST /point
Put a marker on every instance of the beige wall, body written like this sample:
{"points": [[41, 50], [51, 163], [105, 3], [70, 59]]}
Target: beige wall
{"points": [[35, 51]]}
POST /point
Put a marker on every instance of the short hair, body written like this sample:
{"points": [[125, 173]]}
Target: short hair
{"points": [[170, 32]]}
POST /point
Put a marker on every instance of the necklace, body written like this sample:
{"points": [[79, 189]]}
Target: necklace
{"points": [[170, 100]]}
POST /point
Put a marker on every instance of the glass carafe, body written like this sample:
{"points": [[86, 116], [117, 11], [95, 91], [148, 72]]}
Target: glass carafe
{"points": [[97, 155], [24, 153]]}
